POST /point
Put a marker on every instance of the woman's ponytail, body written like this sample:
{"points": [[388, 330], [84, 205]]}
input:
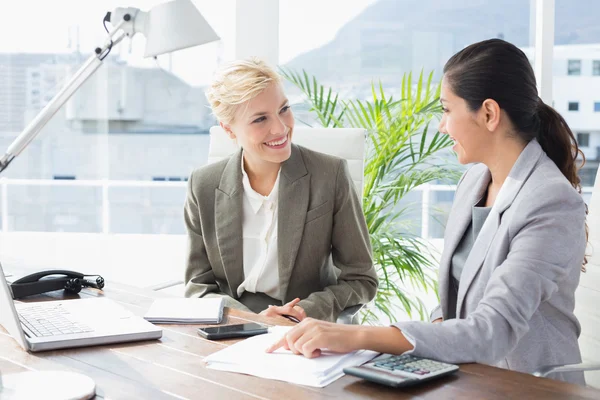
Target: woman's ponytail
{"points": [[558, 141]]}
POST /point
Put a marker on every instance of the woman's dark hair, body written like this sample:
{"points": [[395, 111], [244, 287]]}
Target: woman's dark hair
{"points": [[498, 70]]}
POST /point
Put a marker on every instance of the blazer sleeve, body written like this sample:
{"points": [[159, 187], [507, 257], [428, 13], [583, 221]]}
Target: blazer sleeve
{"points": [[199, 278], [549, 242], [351, 253]]}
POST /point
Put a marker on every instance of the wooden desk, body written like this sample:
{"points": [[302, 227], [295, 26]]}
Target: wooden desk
{"points": [[173, 368]]}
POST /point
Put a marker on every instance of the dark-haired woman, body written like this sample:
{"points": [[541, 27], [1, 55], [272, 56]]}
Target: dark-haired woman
{"points": [[515, 238]]}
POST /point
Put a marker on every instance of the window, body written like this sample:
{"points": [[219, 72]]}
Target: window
{"points": [[597, 106], [583, 139], [574, 67], [596, 67], [367, 41], [64, 153], [573, 106], [587, 176]]}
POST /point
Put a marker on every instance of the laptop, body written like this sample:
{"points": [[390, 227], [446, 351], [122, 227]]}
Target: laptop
{"points": [[51, 325]]}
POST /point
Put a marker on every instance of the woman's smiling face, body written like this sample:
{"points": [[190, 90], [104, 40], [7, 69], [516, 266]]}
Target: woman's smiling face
{"points": [[460, 123], [264, 126]]}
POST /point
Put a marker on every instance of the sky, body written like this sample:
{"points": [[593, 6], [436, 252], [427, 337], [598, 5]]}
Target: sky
{"points": [[54, 26]]}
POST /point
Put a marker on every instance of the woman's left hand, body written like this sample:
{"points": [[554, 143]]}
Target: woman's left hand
{"points": [[290, 309], [311, 336]]}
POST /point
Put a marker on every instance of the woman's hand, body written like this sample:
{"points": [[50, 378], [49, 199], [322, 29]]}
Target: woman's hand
{"points": [[290, 309], [311, 336]]}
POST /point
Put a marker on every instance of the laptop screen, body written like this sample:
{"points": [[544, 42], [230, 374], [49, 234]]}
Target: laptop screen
{"points": [[8, 314]]}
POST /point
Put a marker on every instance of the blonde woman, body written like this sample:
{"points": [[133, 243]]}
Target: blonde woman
{"points": [[276, 228]]}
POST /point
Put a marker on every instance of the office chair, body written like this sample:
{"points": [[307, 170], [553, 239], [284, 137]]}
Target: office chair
{"points": [[587, 298], [341, 142]]}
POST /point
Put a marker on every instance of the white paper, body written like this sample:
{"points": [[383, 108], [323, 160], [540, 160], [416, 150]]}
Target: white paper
{"points": [[249, 357], [186, 310]]}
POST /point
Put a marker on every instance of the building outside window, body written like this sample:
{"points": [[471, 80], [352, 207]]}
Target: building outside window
{"points": [[574, 67], [573, 106], [583, 139], [131, 105]]}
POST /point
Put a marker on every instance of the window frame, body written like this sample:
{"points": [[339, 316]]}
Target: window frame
{"points": [[585, 135], [595, 67]]}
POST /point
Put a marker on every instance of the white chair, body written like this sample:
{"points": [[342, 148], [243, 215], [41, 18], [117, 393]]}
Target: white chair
{"points": [[587, 299], [345, 143]]}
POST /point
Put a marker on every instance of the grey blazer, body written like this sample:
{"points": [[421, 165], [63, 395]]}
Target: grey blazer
{"points": [[324, 246], [517, 289]]}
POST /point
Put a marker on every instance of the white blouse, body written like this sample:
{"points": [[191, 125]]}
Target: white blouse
{"points": [[259, 226]]}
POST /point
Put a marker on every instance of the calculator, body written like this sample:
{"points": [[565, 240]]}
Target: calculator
{"points": [[400, 371]]}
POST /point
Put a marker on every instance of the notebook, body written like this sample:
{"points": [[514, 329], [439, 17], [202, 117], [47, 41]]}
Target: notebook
{"points": [[186, 311], [249, 357]]}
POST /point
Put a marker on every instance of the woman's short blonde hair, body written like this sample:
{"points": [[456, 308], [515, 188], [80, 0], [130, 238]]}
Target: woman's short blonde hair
{"points": [[237, 82]]}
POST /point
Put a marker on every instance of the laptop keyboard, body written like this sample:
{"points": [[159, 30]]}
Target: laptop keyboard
{"points": [[50, 321]]}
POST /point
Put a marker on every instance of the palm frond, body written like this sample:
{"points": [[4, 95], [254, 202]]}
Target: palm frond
{"points": [[401, 151]]}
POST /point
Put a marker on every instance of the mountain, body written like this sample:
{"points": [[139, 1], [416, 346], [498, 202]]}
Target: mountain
{"points": [[395, 36]]}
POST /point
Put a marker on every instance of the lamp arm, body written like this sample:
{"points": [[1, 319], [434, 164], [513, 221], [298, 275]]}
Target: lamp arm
{"points": [[45, 115], [192, 30]]}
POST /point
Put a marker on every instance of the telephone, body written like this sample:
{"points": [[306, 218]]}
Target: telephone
{"points": [[56, 279]]}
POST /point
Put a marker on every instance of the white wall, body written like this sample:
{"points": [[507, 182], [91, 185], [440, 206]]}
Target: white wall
{"points": [[583, 88], [586, 91]]}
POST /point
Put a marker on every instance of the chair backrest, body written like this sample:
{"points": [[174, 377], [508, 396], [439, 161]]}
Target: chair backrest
{"points": [[587, 297], [345, 143]]}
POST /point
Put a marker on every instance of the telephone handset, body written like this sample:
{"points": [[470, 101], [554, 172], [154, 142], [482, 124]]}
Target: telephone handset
{"points": [[50, 280]]}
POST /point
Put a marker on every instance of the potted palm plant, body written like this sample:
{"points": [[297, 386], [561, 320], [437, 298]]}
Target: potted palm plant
{"points": [[401, 155]]}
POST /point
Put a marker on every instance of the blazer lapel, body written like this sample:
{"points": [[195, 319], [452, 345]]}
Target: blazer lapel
{"points": [[228, 222], [294, 191], [523, 167], [455, 229]]}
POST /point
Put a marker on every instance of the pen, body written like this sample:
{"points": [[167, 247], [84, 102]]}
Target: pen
{"points": [[291, 318]]}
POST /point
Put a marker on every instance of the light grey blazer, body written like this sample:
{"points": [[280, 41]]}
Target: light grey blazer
{"points": [[324, 246], [517, 289]]}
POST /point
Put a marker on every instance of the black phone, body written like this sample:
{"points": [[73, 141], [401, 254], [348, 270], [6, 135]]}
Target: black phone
{"points": [[55, 279], [232, 331]]}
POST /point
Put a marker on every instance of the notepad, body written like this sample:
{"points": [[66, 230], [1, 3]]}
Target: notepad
{"points": [[186, 311], [249, 357]]}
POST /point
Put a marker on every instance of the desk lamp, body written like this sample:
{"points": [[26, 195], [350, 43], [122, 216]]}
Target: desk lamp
{"points": [[167, 27]]}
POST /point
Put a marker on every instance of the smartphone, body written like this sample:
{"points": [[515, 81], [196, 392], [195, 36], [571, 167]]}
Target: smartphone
{"points": [[232, 331]]}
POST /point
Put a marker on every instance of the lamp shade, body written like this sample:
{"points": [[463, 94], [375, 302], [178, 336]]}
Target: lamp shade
{"points": [[175, 25]]}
